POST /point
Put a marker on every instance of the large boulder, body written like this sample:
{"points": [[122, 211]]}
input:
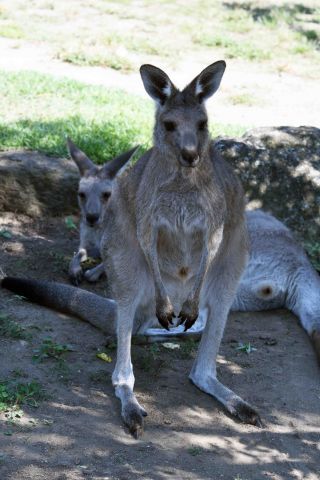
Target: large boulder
{"points": [[34, 184], [280, 172]]}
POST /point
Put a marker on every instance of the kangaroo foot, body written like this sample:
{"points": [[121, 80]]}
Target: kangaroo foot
{"points": [[132, 414], [76, 275], [94, 274], [244, 412]]}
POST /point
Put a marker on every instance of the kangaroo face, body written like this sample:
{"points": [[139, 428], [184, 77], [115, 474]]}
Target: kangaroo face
{"points": [[93, 195], [181, 129], [95, 186]]}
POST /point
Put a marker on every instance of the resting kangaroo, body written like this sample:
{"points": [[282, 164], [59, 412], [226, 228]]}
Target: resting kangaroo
{"points": [[94, 191]]}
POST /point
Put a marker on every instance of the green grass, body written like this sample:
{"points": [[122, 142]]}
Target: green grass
{"points": [[11, 329], [50, 349], [38, 112], [233, 48], [15, 394]]}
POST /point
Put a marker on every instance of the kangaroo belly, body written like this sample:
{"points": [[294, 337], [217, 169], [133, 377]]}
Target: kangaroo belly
{"points": [[179, 254]]}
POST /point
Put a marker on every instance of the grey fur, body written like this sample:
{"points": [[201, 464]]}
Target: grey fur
{"points": [[174, 238], [95, 189]]}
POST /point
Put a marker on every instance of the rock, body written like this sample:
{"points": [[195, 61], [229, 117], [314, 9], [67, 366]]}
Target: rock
{"points": [[34, 184], [280, 171]]}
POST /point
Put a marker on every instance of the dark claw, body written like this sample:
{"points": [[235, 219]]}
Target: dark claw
{"points": [[189, 323], [165, 320], [247, 414]]}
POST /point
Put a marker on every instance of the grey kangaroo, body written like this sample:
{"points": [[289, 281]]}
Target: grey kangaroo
{"points": [[95, 188], [174, 238]]}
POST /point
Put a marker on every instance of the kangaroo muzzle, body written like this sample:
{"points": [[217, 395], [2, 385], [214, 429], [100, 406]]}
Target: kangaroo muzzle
{"points": [[92, 219]]}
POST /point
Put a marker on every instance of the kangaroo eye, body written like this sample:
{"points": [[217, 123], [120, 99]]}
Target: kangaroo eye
{"points": [[82, 195], [202, 125], [106, 195], [169, 126]]}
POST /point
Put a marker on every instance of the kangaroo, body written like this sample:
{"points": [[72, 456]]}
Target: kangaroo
{"points": [[279, 275], [95, 187], [174, 238]]}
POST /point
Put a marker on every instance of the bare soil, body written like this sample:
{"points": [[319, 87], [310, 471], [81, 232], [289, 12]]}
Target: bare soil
{"points": [[77, 432]]}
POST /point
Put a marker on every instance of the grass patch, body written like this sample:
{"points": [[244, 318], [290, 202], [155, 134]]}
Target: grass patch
{"points": [[233, 48], [13, 395], [11, 329], [194, 450], [242, 99], [10, 30], [38, 112], [50, 349], [94, 58]]}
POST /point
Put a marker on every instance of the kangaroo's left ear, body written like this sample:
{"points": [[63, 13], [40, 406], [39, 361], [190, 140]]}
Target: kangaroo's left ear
{"points": [[79, 157], [112, 168], [157, 83], [208, 81]]}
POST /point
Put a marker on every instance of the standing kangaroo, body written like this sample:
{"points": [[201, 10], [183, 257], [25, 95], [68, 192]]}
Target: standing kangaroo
{"points": [[94, 192], [175, 239]]}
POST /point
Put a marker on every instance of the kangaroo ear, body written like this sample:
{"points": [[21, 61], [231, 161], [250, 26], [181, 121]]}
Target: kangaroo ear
{"points": [[112, 168], [80, 158], [157, 83], [208, 81]]}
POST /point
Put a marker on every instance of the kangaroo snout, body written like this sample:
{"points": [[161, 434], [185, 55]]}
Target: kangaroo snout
{"points": [[190, 156], [92, 219]]}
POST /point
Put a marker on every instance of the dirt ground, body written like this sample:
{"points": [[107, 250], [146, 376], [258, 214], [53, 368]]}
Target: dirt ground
{"points": [[77, 432]]}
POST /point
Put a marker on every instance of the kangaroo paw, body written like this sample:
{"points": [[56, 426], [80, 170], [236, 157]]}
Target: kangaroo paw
{"points": [[188, 314], [165, 313], [132, 415]]}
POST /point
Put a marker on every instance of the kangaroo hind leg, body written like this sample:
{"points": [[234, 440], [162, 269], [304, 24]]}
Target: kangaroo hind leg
{"points": [[219, 291]]}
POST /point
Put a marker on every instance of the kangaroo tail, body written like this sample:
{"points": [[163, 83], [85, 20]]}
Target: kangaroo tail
{"points": [[96, 310]]}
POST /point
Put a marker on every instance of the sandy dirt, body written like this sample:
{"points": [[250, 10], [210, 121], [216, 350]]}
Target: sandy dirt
{"points": [[77, 432]]}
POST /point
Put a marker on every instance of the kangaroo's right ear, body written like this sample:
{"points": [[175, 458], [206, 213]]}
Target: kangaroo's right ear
{"points": [[112, 168], [79, 157], [157, 83]]}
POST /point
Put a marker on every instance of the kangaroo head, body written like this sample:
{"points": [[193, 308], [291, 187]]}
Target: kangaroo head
{"points": [[95, 185], [181, 128]]}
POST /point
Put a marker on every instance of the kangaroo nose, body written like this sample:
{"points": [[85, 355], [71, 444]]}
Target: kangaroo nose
{"points": [[92, 218], [189, 154]]}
